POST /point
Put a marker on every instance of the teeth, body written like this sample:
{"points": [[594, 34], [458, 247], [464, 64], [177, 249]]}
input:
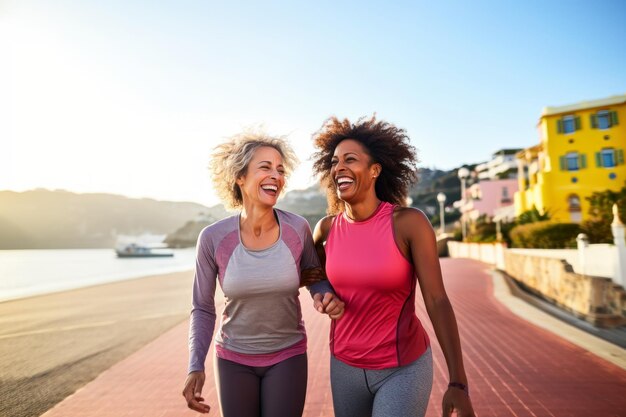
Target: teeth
{"points": [[344, 180], [270, 187]]}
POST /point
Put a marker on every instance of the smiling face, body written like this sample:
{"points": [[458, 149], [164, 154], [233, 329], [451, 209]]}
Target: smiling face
{"points": [[264, 178], [352, 171]]}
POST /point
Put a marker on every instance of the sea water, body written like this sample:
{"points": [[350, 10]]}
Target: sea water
{"points": [[25, 273]]}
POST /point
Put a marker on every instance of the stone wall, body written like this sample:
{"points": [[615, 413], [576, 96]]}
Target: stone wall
{"points": [[490, 253], [595, 299]]}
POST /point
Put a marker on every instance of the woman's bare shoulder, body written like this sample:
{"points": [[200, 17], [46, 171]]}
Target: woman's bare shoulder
{"points": [[410, 216], [323, 227]]}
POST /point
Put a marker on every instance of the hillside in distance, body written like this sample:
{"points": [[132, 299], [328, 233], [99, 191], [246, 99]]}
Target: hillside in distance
{"points": [[44, 219], [309, 203], [430, 183]]}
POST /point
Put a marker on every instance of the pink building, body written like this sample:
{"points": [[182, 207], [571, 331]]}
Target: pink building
{"points": [[488, 197]]}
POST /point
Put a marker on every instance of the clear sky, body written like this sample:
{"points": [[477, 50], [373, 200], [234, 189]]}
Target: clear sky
{"points": [[129, 97]]}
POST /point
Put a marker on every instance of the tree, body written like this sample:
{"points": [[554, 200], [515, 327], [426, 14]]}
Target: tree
{"points": [[598, 226]]}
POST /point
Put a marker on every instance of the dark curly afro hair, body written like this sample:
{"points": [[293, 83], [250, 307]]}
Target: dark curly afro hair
{"points": [[386, 144]]}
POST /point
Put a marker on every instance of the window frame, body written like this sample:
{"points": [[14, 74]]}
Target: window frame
{"points": [[611, 118], [604, 114], [572, 156], [569, 118], [505, 198], [612, 153], [571, 207]]}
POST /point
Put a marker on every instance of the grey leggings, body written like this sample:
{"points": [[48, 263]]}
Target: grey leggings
{"points": [[267, 391], [401, 391]]}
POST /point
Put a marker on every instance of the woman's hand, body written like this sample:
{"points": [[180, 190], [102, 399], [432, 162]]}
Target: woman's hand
{"points": [[330, 304], [459, 400], [193, 392], [311, 276]]}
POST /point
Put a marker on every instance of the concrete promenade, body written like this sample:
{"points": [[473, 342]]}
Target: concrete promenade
{"points": [[515, 368]]}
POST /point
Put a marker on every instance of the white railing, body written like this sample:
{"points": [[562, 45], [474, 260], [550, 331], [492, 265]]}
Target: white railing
{"points": [[599, 260]]}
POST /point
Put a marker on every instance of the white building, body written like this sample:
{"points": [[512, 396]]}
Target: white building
{"points": [[502, 165]]}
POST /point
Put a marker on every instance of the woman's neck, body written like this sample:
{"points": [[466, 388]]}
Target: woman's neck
{"points": [[363, 209], [256, 220]]}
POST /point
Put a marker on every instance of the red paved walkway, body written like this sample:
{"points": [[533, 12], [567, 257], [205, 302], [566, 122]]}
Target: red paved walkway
{"points": [[515, 369]]}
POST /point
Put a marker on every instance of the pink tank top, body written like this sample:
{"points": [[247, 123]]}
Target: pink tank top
{"points": [[379, 328]]}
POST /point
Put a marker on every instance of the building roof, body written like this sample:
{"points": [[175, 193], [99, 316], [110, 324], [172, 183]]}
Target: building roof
{"points": [[506, 151], [609, 101], [529, 152]]}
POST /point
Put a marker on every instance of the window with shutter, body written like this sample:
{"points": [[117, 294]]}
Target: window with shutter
{"points": [[572, 161], [608, 157], [569, 124], [614, 121], [599, 159], [603, 118], [620, 156]]}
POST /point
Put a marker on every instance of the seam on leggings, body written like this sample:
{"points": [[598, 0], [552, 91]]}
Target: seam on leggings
{"points": [[367, 384]]}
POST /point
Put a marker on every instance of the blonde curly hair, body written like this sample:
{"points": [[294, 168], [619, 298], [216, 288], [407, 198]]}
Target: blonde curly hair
{"points": [[230, 161]]}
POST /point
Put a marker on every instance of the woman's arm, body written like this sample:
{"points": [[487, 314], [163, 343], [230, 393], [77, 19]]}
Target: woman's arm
{"points": [[320, 234], [311, 273], [419, 243], [202, 322], [324, 298]]}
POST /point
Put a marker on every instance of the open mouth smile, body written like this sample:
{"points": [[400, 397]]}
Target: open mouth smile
{"points": [[343, 183], [270, 189]]}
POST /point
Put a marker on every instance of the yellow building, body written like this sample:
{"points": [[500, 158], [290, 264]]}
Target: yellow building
{"points": [[581, 150]]}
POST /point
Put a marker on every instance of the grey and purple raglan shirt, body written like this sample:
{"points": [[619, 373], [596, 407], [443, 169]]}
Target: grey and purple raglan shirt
{"points": [[261, 320]]}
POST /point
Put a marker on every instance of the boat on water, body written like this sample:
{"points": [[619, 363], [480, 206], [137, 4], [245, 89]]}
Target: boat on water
{"points": [[144, 246], [134, 250]]}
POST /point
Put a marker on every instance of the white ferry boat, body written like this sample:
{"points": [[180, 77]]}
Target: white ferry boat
{"points": [[142, 247]]}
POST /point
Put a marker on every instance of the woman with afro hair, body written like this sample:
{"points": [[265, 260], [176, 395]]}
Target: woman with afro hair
{"points": [[375, 250]]}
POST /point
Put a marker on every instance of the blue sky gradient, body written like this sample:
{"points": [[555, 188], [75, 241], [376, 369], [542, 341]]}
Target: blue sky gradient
{"points": [[104, 95]]}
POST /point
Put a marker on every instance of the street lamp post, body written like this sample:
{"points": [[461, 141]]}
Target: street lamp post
{"points": [[463, 173], [441, 197]]}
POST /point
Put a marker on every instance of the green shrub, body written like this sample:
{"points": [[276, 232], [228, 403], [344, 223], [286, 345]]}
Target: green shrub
{"points": [[457, 234], [532, 216], [598, 225], [505, 229], [482, 231], [545, 235], [598, 230]]}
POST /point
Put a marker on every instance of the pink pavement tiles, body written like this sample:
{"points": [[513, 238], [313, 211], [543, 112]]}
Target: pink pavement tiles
{"points": [[514, 368]]}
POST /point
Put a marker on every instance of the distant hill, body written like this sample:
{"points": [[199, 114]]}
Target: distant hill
{"points": [[44, 219], [187, 236], [431, 182], [309, 203]]}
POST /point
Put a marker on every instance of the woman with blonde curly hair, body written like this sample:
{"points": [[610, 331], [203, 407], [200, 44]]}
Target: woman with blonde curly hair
{"points": [[375, 250], [257, 256]]}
